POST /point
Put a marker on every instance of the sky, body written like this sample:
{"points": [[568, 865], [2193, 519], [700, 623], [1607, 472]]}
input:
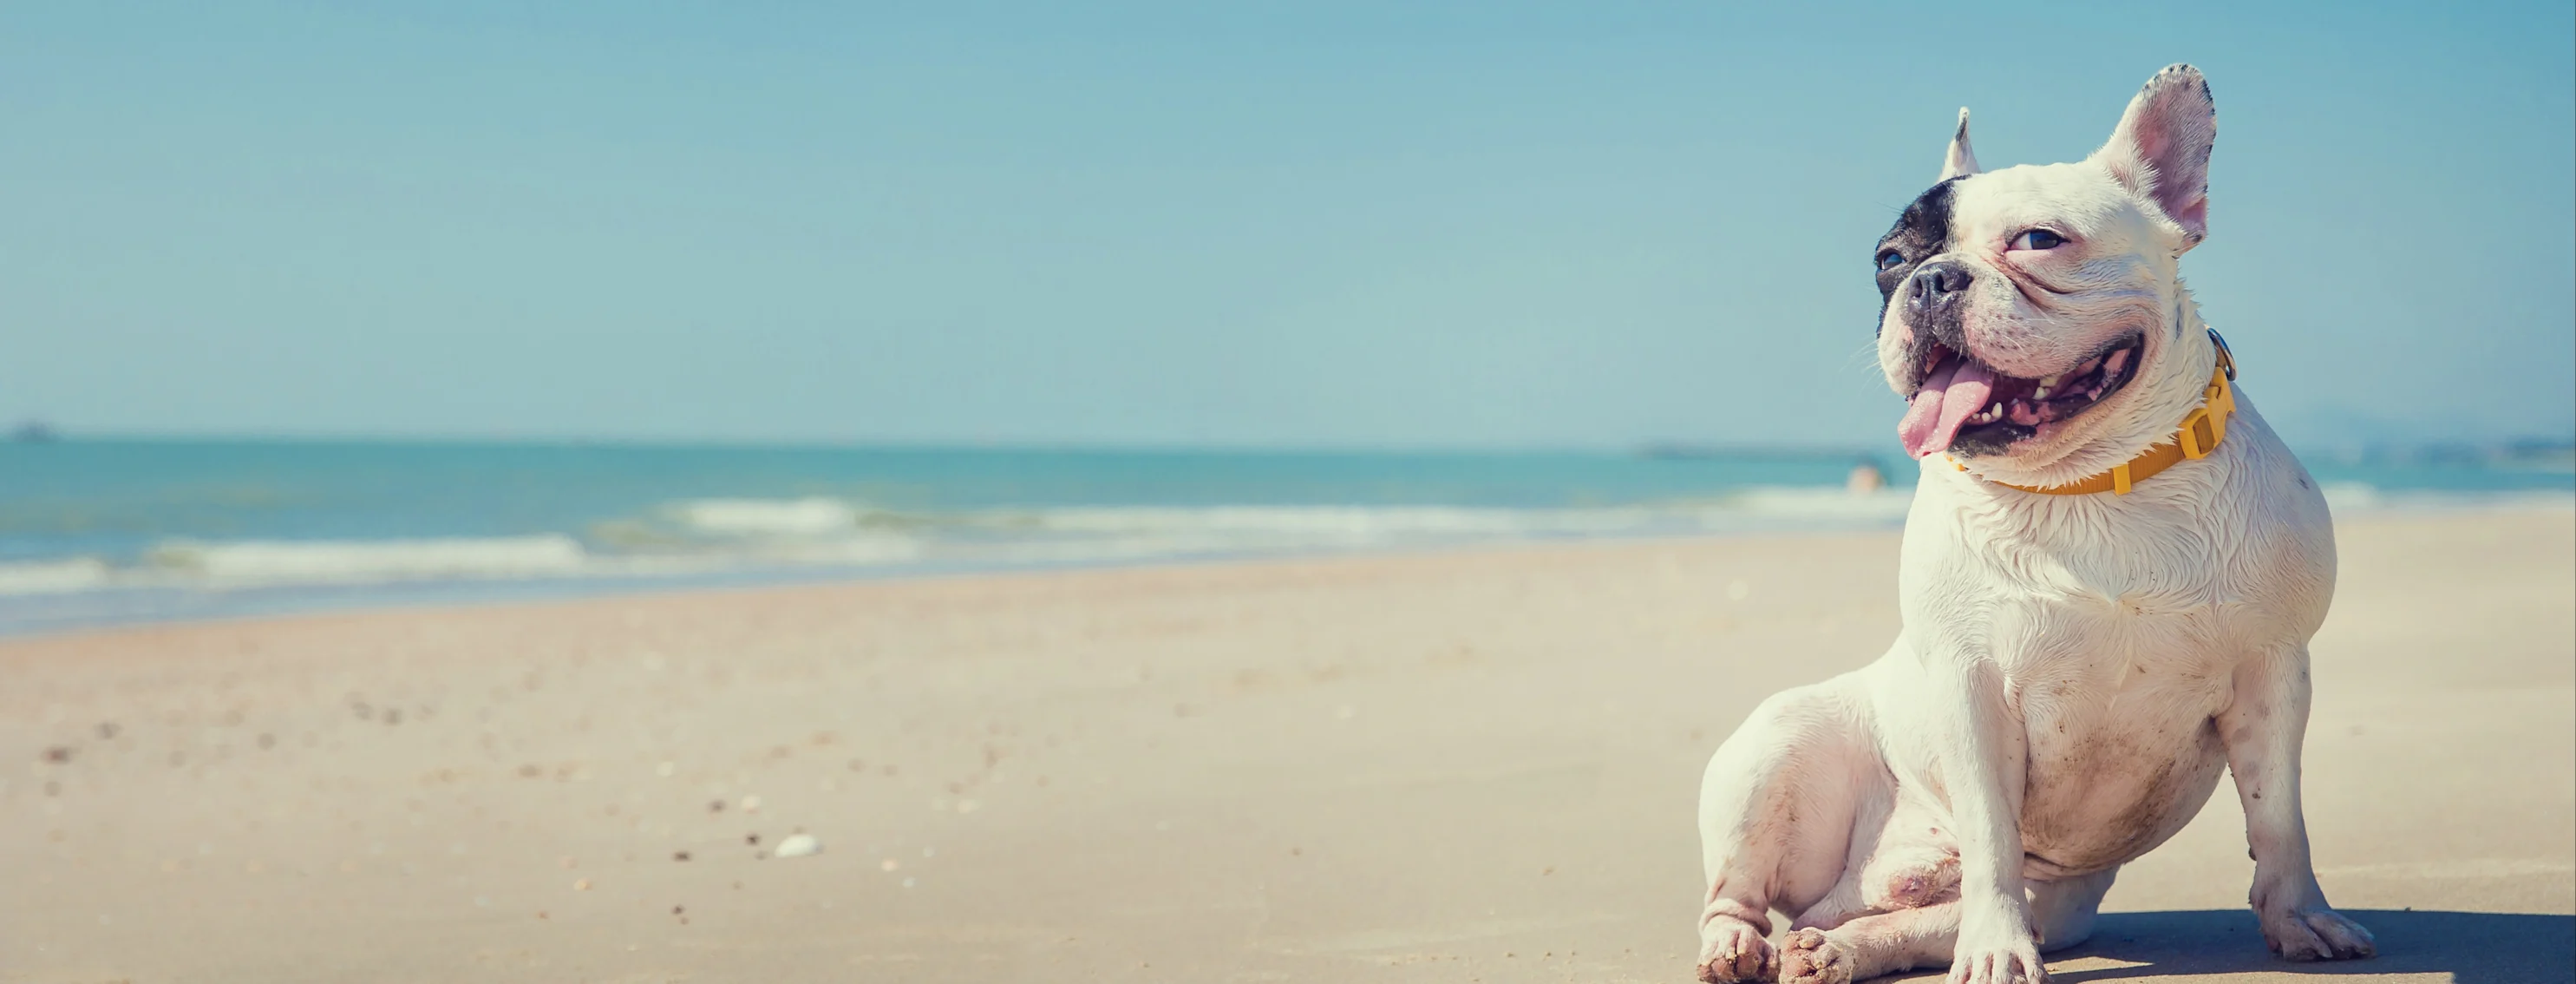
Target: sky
{"points": [[1307, 224]]}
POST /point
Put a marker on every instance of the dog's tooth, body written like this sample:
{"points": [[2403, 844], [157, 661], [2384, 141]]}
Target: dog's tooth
{"points": [[2042, 392], [2049, 382]]}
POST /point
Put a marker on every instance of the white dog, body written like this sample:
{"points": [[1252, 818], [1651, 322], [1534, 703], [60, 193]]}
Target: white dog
{"points": [[2110, 575]]}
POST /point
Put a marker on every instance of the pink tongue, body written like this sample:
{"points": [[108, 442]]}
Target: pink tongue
{"points": [[1955, 390]]}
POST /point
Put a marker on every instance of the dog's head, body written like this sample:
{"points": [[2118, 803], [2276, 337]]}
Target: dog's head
{"points": [[2033, 315]]}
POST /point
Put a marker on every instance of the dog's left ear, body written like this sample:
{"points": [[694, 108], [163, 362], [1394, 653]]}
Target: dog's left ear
{"points": [[2161, 149], [1962, 160]]}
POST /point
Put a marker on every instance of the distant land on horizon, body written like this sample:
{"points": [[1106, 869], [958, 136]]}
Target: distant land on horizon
{"points": [[2528, 450]]}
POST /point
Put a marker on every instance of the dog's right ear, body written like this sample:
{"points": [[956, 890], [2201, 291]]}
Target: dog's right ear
{"points": [[1963, 158]]}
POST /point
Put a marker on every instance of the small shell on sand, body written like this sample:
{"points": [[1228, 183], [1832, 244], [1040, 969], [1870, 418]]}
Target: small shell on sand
{"points": [[797, 846]]}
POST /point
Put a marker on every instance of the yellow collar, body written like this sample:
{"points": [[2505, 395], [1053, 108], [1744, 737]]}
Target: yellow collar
{"points": [[2195, 438]]}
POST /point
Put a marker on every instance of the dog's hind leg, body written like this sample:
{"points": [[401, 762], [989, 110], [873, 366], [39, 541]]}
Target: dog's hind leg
{"points": [[1899, 859], [1871, 945], [2063, 910], [1777, 809], [1889, 942]]}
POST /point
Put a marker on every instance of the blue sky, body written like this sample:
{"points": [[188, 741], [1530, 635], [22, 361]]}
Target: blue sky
{"points": [[1301, 224]]}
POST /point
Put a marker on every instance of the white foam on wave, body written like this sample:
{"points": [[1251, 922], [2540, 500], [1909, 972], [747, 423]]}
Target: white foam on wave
{"points": [[54, 576], [1132, 532], [768, 517], [245, 563], [1825, 503], [715, 536], [1327, 522], [807, 531], [859, 549], [2347, 497]]}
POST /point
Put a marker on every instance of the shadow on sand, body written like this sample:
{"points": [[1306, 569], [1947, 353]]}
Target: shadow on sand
{"points": [[2473, 947]]}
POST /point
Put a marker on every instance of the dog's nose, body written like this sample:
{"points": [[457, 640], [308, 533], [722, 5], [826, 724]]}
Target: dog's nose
{"points": [[1937, 285]]}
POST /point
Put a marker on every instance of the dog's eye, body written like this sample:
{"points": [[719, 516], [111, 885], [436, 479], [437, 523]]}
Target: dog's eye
{"points": [[2038, 239], [1890, 260]]}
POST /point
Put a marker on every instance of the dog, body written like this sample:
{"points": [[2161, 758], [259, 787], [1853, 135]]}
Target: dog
{"points": [[2111, 570]]}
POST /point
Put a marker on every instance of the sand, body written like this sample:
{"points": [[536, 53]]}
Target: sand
{"points": [[1473, 766]]}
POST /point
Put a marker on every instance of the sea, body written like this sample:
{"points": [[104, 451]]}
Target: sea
{"points": [[102, 532]]}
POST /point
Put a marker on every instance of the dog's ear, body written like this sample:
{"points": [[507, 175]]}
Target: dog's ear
{"points": [[2161, 149], [1963, 158]]}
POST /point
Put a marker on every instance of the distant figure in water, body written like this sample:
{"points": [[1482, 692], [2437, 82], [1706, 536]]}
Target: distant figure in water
{"points": [[1865, 478]]}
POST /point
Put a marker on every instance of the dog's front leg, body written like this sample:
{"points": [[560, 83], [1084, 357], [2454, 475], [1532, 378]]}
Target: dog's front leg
{"points": [[2264, 728], [1981, 755]]}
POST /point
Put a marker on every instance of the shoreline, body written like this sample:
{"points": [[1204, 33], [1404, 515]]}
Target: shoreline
{"points": [[1468, 763], [19, 618]]}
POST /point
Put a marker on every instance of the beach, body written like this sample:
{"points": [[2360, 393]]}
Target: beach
{"points": [[1475, 764]]}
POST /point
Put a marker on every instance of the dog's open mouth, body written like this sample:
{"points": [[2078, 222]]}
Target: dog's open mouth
{"points": [[1966, 407]]}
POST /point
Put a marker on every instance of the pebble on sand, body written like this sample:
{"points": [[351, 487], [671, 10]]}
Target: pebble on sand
{"points": [[797, 846]]}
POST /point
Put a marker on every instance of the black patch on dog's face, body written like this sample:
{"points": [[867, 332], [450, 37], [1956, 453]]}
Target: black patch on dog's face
{"points": [[1921, 233]]}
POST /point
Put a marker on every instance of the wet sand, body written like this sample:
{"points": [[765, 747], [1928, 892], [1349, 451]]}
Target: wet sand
{"points": [[1473, 766]]}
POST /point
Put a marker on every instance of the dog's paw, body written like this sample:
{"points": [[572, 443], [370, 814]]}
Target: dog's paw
{"points": [[1733, 953], [2317, 933], [1808, 956], [2013, 963]]}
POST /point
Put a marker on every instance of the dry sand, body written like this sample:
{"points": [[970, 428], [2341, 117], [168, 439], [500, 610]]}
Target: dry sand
{"points": [[1462, 767]]}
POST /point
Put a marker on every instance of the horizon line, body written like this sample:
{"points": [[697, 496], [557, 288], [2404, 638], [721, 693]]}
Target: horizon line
{"points": [[37, 432]]}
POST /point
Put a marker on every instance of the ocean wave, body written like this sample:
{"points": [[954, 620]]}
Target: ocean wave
{"points": [[1825, 503], [54, 576], [2347, 497], [725, 537], [720, 535], [1371, 522], [768, 517], [260, 562], [1074, 534], [1336, 523], [2358, 498]]}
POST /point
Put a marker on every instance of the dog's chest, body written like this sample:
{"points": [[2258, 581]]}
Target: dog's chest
{"points": [[2116, 681], [2119, 627], [2107, 598]]}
